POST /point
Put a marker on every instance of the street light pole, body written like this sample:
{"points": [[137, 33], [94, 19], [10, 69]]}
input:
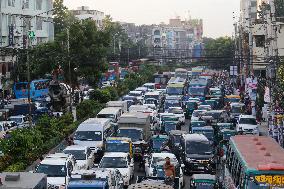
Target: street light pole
{"points": [[69, 67]]}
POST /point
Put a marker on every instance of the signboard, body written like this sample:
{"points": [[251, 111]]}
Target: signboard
{"points": [[11, 35], [271, 180], [233, 70]]}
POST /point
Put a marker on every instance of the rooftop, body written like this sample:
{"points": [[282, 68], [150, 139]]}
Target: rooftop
{"points": [[259, 152]]}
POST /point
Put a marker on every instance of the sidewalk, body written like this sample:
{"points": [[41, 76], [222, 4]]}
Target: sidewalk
{"points": [[263, 129]]}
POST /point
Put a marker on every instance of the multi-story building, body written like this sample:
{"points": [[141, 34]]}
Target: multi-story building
{"points": [[84, 12], [259, 36], [18, 19]]}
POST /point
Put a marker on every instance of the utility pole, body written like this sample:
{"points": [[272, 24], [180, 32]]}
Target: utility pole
{"points": [[1, 23], [69, 68]]}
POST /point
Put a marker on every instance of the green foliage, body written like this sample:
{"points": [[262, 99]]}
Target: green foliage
{"points": [[88, 108], [220, 52], [28, 144]]}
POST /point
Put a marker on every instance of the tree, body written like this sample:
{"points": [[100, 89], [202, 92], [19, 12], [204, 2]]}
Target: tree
{"points": [[219, 52]]}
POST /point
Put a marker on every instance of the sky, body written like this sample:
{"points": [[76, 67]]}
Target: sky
{"points": [[217, 15]]}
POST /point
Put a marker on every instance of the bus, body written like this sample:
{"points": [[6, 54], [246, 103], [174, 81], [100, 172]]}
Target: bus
{"points": [[254, 162], [182, 73], [161, 79], [38, 89], [176, 86]]}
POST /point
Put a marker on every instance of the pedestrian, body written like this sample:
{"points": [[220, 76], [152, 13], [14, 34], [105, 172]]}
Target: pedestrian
{"points": [[170, 172]]}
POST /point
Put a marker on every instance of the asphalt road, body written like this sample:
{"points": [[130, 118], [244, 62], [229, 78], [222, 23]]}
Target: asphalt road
{"points": [[142, 173]]}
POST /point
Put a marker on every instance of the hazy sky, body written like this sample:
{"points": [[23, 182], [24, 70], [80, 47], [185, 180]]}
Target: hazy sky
{"points": [[217, 15]]}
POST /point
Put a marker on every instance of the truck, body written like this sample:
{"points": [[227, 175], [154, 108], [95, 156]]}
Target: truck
{"points": [[23, 180], [135, 125], [118, 104]]}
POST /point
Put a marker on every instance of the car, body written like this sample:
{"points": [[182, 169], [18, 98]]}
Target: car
{"points": [[21, 120], [156, 160], [196, 114], [247, 125], [58, 168], [84, 156], [122, 162], [92, 178], [6, 126]]}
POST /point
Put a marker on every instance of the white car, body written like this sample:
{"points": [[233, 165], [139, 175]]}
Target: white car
{"points": [[58, 168], [84, 156], [247, 124], [120, 161], [178, 111], [197, 114], [21, 120], [158, 159]]}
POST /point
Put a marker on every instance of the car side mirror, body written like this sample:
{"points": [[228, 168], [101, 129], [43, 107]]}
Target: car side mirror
{"points": [[182, 166], [131, 165]]}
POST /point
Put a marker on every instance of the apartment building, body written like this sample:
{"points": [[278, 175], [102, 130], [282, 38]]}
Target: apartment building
{"points": [[18, 18], [84, 12]]}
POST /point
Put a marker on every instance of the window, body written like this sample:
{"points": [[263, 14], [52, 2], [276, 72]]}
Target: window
{"points": [[11, 3], [11, 20], [38, 4], [259, 40], [38, 23], [26, 4]]}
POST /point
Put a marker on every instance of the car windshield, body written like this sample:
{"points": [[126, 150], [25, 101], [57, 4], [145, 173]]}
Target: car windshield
{"points": [[52, 170], [78, 154], [149, 101], [176, 111], [248, 121], [160, 160], [134, 134], [152, 96], [197, 113], [88, 135], [113, 162], [134, 94], [15, 119], [197, 91], [202, 148], [169, 104], [105, 116], [174, 91], [117, 147], [204, 185], [236, 109], [198, 124], [215, 115], [157, 144]]}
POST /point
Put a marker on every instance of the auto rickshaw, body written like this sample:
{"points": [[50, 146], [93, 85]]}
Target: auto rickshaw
{"points": [[203, 181], [190, 107]]}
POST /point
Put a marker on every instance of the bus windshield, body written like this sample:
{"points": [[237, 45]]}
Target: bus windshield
{"points": [[174, 91], [117, 147], [169, 104], [197, 91], [88, 135], [202, 148]]}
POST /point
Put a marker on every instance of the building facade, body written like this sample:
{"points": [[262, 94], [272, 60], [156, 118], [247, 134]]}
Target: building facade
{"points": [[84, 12], [18, 20]]}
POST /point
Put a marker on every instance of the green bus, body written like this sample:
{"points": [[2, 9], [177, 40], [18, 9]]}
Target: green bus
{"points": [[254, 162]]}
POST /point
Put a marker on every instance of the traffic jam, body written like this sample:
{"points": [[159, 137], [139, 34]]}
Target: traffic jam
{"points": [[187, 129]]}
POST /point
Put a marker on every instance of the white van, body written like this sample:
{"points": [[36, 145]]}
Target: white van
{"points": [[93, 132], [110, 113]]}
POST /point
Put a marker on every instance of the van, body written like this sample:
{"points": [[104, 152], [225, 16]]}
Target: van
{"points": [[92, 133], [110, 113]]}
